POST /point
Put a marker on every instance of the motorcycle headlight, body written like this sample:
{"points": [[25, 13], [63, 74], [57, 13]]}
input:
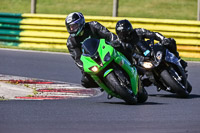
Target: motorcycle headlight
{"points": [[94, 69], [147, 65]]}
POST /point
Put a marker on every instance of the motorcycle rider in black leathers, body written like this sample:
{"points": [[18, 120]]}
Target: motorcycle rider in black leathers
{"points": [[131, 42], [80, 31]]}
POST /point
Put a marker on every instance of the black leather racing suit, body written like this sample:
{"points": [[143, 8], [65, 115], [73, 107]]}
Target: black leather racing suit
{"points": [[136, 43], [91, 30]]}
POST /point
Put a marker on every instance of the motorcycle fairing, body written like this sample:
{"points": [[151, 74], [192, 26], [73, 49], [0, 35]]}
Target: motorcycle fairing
{"points": [[170, 57], [118, 58]]}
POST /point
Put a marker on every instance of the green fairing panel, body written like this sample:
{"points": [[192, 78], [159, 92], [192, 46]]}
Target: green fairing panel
{"points": [[119, 58], [88, 62], [132, 71], [103, 49]]}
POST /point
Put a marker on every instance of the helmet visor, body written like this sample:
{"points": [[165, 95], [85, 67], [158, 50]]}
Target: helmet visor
{"points": [[124, 35], [72, 28]]}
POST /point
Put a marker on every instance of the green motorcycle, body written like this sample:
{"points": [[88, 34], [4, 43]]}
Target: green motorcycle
{"points": [[112, 71]]}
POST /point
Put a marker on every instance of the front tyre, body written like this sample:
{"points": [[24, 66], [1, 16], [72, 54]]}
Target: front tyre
{"points": [[189, 87], [142, 96], [114, 84], [173, 84], [142, 93]]}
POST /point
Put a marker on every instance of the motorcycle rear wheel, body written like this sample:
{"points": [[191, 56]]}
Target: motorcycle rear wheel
{"points": [[114, 84], [173, 84]]}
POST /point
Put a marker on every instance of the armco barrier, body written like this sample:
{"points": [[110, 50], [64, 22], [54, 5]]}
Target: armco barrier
{"points": [[48, 31]]}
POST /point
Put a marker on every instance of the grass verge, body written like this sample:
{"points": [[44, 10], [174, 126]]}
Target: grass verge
{"points": [[165, 9]]}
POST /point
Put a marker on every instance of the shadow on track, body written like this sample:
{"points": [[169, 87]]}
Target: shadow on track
{"points": [[123, 103], [191, 96]]}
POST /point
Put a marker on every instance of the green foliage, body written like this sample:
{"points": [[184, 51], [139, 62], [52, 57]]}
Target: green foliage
{"points": [[191, 59], [170, 9], [15, 6], [166, 9]]}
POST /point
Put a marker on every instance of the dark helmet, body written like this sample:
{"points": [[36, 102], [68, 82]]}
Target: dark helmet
{"points": [[75, 22], [123, 29]]}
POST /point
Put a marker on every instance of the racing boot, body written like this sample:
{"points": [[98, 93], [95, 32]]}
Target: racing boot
{"points": [[183, 63]]}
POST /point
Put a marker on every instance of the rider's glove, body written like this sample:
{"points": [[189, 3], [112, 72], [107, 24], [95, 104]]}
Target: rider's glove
{"points": [[141, 59], [166, 41]]}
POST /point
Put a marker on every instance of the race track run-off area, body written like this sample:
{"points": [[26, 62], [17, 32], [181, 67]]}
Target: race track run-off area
{"points": [[15, 87]]}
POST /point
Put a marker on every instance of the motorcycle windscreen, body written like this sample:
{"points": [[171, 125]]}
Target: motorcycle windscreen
{"points": [[90, 47]]}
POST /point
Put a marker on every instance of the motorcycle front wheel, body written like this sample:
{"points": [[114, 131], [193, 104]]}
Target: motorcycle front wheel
{"points": [[177, 86], [114, 84]]}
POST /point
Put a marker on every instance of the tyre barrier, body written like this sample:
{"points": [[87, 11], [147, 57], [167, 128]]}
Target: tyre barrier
{"points": [[47, 31]]}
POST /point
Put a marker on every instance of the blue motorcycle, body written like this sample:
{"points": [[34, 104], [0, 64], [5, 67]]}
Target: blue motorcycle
{"points": [[165, 71]]}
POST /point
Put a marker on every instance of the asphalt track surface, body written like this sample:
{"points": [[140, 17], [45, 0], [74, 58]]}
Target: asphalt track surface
{"points": [[162, 113]]}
